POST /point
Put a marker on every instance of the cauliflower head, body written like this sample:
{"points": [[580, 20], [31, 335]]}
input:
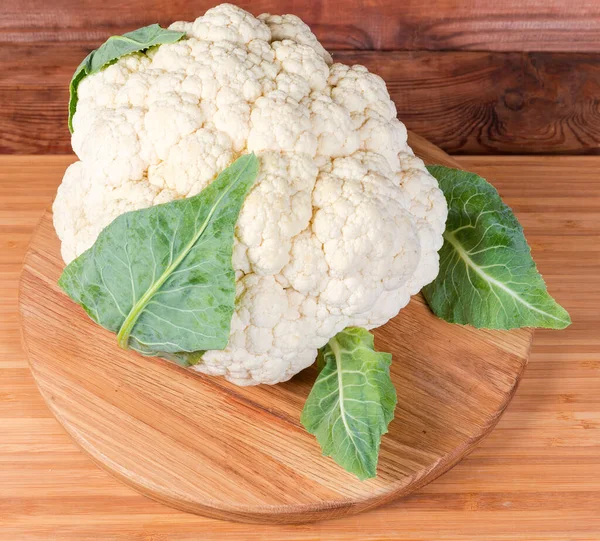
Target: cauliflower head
{"points": [[343, 223]]}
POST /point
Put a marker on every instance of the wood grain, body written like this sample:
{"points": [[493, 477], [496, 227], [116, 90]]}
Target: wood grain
{"points": [[536, 478], [465, 102], [186, 440], [484, 25], [480, 103]]}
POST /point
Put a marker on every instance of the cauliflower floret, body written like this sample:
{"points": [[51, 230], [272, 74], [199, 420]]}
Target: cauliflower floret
{"points": [[279, 122], [276, 210], [370, 242], [295, 29], [193, 162], [332, 125], [343, 223], [302, 61], [229, 23]]}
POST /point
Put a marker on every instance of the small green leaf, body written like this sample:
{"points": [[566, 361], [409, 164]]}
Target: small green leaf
{"points": [[352, 401], [487, 276], [162, 277], [114, 48]]}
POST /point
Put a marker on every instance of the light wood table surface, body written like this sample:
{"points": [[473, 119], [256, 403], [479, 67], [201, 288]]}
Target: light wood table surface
{"points": [[536, 478]]}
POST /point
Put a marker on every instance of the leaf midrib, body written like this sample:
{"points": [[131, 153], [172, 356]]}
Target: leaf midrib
{"points": [[455, 243], [335, 348], [138, 307]]}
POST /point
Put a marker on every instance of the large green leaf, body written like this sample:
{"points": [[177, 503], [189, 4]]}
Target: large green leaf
{"points": [[114, 48], [487, 276], [162, 277], [352, 401]]}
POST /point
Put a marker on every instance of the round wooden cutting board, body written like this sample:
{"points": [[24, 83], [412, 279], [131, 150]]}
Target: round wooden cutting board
{"points": [[240, 453]]}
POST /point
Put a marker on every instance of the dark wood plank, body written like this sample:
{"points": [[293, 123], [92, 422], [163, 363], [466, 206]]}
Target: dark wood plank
{"points": [[480, 103], [465, 102], [510, 25], [34, 93]]}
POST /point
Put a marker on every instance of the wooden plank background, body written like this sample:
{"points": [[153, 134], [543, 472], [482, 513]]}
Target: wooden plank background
{"points": [[474, 77], [481, 25], [535, 478]]}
